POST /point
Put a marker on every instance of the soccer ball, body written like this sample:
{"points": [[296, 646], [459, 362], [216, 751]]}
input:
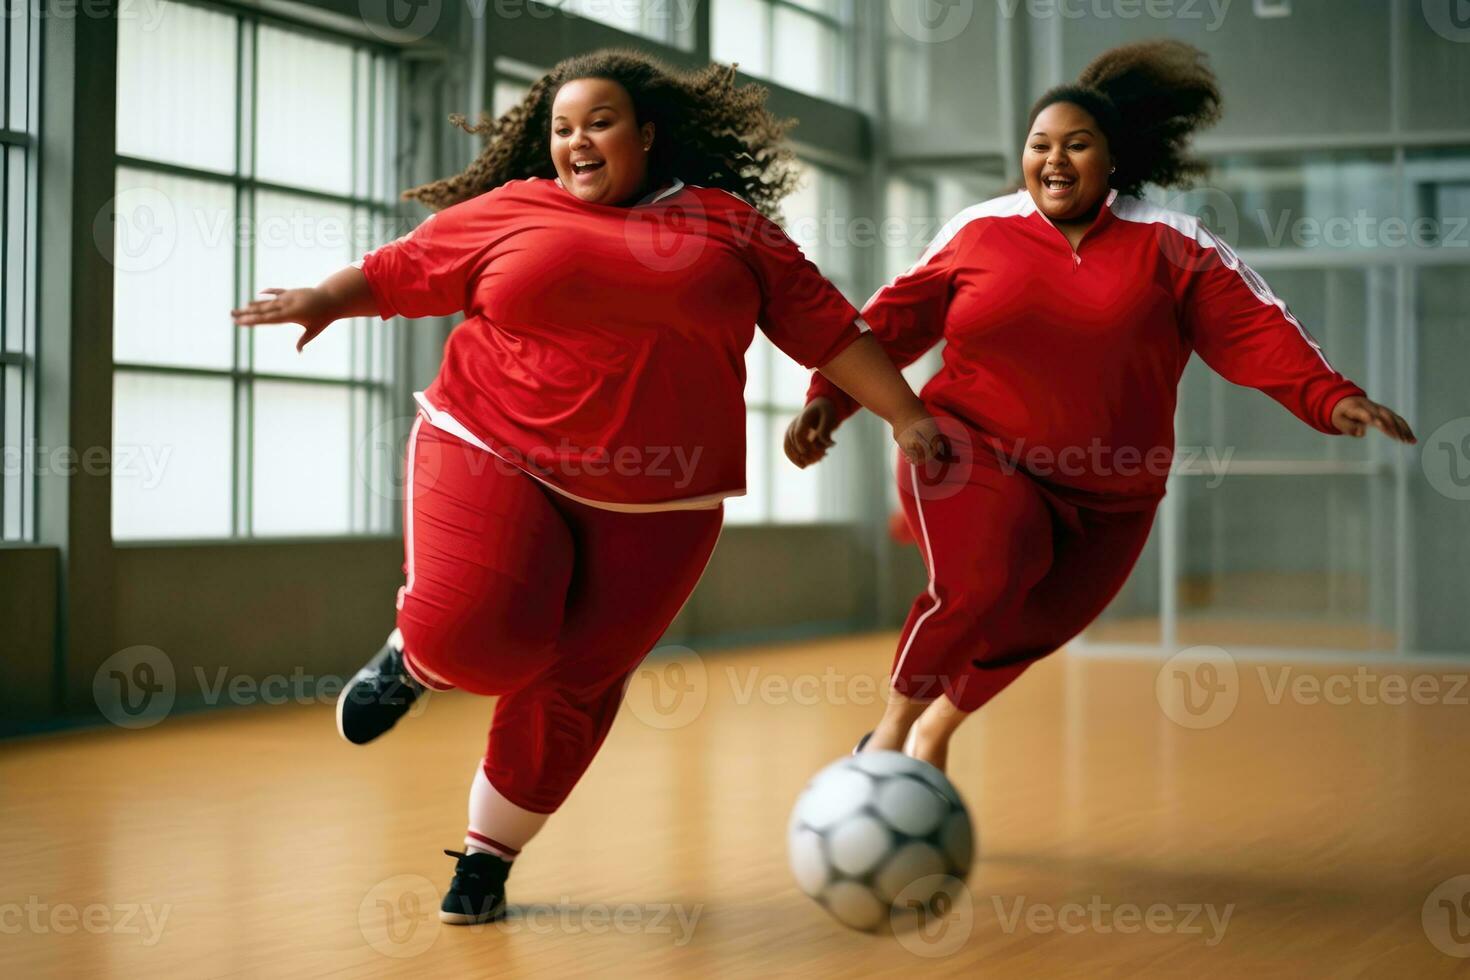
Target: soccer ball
{"points": [[879, 838]]}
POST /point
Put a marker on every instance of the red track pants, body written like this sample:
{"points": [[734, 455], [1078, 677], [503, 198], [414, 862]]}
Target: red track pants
{"points": [[513, 589], [1014, 573]]}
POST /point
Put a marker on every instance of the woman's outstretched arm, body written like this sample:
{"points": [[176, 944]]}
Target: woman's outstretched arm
{"points": [[342, 295]]}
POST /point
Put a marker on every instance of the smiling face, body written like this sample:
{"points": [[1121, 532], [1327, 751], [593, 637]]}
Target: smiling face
{"points": [[1066, 162], [598, 148]]}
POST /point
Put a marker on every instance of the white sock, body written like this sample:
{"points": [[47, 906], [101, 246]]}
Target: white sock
{"points": [[497, 826]]}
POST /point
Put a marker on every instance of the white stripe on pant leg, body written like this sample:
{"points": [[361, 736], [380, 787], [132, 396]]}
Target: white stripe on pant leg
{"points": [[413, 435], [929, 554]]}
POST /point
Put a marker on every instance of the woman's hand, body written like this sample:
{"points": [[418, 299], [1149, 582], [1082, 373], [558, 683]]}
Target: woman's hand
{"points": [[809, 435], [919, 438], [1353, 415], [310, 307]]}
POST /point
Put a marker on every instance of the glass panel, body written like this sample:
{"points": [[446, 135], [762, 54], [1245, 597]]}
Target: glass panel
{"points": [[797, 495], [174, 270], [1435, 67], [801, 212], [176, 86], [1285, 562], [1349, 312], [758, 359], [1439, 475], [807, 54], [753, 507], [304, 118], [789, 381], [944, 88], [741, 34], [827, 492], [508, 94], [1133, 615], [302, 457], [1335, 201], [16, 42], [1322, 69], [1438, 198], [171, 466], [13, 469], [299, 242]]}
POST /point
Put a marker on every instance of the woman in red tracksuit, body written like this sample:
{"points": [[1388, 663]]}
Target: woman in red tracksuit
{"points": [[568, 465], [1068, 311]]}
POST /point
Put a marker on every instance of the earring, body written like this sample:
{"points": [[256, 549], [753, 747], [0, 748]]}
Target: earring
{"points": [[1112, 170]]}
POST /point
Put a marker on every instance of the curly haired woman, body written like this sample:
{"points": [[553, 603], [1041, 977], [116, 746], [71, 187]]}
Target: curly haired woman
{"points": [[1069, 309], [612, 248]]}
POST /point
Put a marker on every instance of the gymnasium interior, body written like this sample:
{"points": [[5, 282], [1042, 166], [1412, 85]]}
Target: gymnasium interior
{"points": [[1247, 765]]}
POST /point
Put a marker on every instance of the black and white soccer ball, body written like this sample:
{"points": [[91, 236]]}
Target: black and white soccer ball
{"points": [[878, 839]]}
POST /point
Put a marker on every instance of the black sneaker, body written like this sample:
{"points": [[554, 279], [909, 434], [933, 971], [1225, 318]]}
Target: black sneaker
{"points": [[376, 697], [861, 742], [477, 891]]}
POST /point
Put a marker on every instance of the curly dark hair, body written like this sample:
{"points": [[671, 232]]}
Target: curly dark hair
{"points": [[1148, 98], [710, 132]]}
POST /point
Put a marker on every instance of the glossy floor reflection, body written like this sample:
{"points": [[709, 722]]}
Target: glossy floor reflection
{"points": [[1269, 818]]}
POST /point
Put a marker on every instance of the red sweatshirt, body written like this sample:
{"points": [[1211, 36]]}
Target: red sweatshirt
{"points": [[1067, 362], [603, 347]]}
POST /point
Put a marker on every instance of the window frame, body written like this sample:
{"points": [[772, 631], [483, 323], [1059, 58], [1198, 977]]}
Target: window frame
{"points": [[368, 516]]}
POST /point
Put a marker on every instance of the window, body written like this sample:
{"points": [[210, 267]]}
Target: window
{"points": [[669, 21], [817, 218], [19, 40], [249, 155], [807, 45]]}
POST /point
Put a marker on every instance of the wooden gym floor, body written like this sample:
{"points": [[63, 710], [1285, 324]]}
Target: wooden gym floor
{"points": [[1296, 834]]}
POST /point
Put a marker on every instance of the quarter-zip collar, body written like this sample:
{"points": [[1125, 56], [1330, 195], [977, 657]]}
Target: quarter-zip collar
{"points": [[1101, 219]]}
